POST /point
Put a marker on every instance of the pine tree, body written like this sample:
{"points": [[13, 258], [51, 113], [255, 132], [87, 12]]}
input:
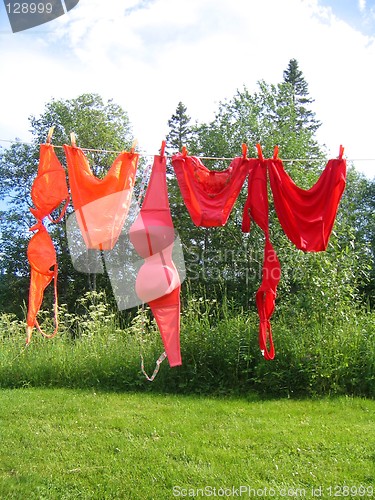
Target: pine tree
{"points": [[180, 131], [305, 118]]}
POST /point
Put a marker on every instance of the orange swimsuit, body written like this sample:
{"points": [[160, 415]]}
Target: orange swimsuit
{"points": [[101, 205], [49, 189]]}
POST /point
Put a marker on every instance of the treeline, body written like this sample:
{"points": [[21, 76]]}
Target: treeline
{"points": [[221, 263]]}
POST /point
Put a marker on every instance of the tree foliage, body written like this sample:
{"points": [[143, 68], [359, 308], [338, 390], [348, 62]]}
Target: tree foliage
{"points": [[305, 117], [179, 129], [224, 259], [221, 262], [97, 125]]}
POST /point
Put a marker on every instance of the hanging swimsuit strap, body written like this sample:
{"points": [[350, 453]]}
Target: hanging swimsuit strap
{"points": [[265, 299], [63, 211], [159, 361], [142, 186]]}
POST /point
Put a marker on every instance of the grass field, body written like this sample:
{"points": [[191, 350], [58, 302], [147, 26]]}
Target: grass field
{"points": [[219, 347], [65, 443]]}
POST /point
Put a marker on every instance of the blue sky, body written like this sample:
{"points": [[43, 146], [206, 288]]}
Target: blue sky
{"points": [[358, 14], [148, 55]]}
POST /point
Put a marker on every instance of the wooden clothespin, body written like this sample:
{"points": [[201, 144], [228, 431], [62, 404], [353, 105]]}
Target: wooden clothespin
{"points": [[73, 139], [49, 135], [162, 149], [260, 152], [134, 145]]}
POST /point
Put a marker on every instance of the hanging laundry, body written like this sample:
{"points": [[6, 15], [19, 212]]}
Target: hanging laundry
{"points": [[48, 191], [209, 195], [49, 188], [101, 205], [307, 216], [42, 258], [158, 283], [256, 208]]}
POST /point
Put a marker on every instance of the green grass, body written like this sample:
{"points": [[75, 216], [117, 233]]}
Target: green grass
{"points": [[315, 356], [220, 356], [65, 443]]}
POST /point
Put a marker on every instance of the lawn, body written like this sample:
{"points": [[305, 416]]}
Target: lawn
{"points": [[65, 443]]}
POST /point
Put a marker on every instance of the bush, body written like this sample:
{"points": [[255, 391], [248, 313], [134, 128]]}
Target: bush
{"points": [[219, 348]]}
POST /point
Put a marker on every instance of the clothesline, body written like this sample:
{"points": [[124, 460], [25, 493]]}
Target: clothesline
{"points": [[151, 155]]}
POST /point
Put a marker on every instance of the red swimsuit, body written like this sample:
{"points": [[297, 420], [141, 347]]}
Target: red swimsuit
{"points": [[209, 195], [158, 282], [256, 207], [307, 216]]}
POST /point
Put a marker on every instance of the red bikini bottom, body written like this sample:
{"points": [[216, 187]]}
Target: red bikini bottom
{"points": [[307, 217], [209, 195]]}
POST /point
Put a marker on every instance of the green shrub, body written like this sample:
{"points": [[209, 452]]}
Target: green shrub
{"points": [[219, 343]]}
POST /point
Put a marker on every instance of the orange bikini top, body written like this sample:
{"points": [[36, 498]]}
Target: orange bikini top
{"points": [[49, 188], [101, 205]]}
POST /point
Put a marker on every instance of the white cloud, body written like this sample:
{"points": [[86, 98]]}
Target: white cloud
{"points": [[199, 52], [362, 5]]}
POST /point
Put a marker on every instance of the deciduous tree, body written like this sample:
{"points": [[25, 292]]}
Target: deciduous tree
{"points": [[97, 125]]}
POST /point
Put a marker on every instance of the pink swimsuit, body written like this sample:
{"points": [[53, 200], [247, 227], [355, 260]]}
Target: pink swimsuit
{"points": [[158, 282]]}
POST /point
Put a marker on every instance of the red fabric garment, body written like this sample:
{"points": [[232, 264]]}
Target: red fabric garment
{"points": [[42, 258], [209, 195], [48, 191], [158, 283], [49, 188], [307, 216], [101, 205], [256, 208], [265, 299]]}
